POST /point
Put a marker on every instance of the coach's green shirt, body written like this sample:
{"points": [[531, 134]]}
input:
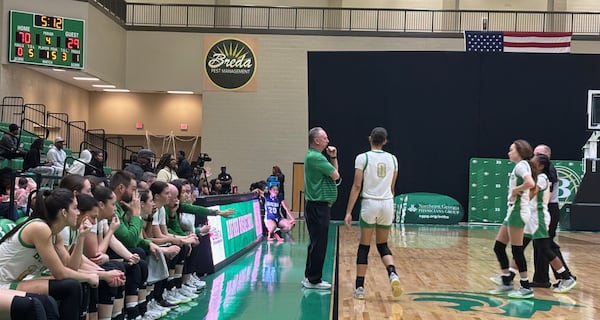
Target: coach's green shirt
{"points": [[318, 185]]}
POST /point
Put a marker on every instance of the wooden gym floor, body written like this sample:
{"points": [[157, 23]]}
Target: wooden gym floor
{"points": [[445, 270]]}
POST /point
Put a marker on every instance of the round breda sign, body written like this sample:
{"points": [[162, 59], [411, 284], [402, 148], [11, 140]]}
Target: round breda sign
{"points": [[230, 64]]}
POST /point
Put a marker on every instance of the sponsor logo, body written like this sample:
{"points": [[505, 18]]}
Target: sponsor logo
{"points": [[230, 64]]}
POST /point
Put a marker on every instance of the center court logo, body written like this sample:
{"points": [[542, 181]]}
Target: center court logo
{"points": [[481, 302], [230, 64]]}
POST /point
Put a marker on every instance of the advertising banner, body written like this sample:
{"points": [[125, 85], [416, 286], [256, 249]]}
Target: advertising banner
{"points": [[488, 187], [229, 236], [424, 207], [230, 64]]}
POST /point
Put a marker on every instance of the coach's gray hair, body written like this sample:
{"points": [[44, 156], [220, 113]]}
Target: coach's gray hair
{"points": [[313, 133]]}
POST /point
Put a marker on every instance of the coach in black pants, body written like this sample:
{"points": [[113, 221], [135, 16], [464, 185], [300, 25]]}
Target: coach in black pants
{"points": [[320, 192]]}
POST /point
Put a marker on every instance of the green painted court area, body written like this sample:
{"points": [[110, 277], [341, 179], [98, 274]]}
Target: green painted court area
{"points": [[263, 283]]}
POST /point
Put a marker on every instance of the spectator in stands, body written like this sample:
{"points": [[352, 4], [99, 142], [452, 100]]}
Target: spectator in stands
{"points": [[141, 163], [216, 187], [205, 189], [166, 169], [28, 249], [6, 176], [279, 177], [198, 177], [148, 178], [184, 170], [9, 147], [24, 186], [79, 165], [32, 163], [56, 156], [225, 179], [96, 167]]}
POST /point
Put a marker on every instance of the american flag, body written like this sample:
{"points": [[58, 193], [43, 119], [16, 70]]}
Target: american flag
{"points": [[540, 42]]}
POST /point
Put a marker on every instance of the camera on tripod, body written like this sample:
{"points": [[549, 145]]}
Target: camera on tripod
{"points": [[202, 158]]}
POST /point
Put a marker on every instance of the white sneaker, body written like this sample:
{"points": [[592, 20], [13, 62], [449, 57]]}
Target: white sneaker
{"points": [[395, 283], [522, 293], [502, 289], [152, 315], [323, 285], [192, 288], [196, 284], [359, 293], [174, 297], [184, 291], [497, 279], [565, 285], [197, 281], [155, 307]]}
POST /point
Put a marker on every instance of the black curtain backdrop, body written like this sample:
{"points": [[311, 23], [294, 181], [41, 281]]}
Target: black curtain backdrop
{"points": [[443, 108]]}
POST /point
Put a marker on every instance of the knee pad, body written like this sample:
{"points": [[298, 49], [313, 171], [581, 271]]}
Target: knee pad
{"points": [[64, 288], [49, 304], [26, 308], [500, 251], [362, 256], [106, 294], [93, 305], [519, 257], [383, 249], [144, 273], [120, 293]]}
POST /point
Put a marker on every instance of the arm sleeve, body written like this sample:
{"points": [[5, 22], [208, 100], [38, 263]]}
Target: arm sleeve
{"points": [[174, 226], [197, 210]]}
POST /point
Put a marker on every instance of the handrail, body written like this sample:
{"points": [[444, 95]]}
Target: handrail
{"points": [[323, 20]]}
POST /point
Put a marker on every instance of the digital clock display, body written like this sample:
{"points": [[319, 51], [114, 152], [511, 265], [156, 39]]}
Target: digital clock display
{"points": [[46, 40]]}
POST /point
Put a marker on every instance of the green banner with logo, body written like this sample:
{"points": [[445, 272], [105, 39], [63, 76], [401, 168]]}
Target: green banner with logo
{"points": [[488, 187], [424, 207], [229, 236]]}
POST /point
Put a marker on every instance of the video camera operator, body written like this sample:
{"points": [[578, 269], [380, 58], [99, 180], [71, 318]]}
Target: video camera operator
{"points": [[199, 174]]}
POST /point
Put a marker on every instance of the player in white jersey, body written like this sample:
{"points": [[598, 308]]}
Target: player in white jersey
{"points": [[540, 277], [511, 230], [375, 174], [537, 227], [29, 247]]}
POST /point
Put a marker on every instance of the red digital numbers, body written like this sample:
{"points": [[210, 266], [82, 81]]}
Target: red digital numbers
{"points": [[19, 51], [23, 37], [72, 43]]}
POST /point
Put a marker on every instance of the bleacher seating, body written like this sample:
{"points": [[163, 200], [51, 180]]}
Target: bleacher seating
{"points": [[26, 139]]}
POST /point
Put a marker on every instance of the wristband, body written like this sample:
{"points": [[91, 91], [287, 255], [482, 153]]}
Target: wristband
{"points": [[333, 157]]}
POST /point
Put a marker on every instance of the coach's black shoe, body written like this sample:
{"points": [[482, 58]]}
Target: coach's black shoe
{"points": [[540, 284]]}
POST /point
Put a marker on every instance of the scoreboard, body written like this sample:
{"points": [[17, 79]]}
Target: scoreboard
{"points": [[46, 40]]}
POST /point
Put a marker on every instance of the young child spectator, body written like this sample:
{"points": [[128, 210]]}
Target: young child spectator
{"points": [[273, 217], [22, 191]]}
